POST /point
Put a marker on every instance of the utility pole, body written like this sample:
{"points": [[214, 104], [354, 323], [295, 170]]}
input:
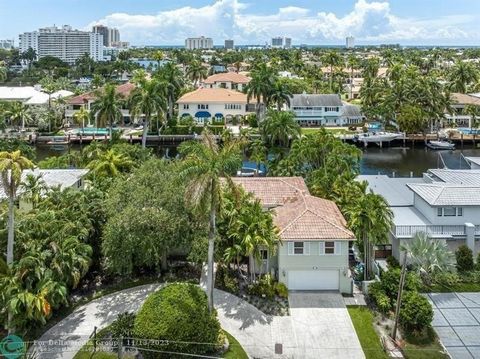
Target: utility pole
{"points": [[399, 296]]}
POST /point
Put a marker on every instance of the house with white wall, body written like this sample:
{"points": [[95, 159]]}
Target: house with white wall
{"points": [[316, 110], [205, 104], [314, 248], [444, 204]]}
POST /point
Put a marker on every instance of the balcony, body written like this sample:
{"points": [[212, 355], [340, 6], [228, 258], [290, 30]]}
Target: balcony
{"points": [[431, 230]]}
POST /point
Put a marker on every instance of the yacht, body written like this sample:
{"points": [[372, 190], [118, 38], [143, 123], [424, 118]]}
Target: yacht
{"points": [[440, 145], [377, 136]]}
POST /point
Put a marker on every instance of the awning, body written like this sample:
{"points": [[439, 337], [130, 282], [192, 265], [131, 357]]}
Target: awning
{"points": [[219, 115], [203, 114], [185, 115]]}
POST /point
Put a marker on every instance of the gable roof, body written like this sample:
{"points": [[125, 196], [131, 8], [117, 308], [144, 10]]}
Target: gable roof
{"points": [[298, 215], [317, 100], [227, 77], [124, 90], [213, 95], [463, 177], [444, 194], [464, 99]]}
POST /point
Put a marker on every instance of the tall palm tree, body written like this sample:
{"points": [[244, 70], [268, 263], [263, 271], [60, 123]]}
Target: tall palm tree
{"points": [[352, 63], [19, 113], [33, 187], [82, 116], [280, 94], [204, 165], [280, 127], [12, 164], [109, 164], [148, 99], [171, 75], [107, 107], [370, 218], [332, 59], [3, 71], [258, 153], [196, 72], [260, 86], [461, 76]]}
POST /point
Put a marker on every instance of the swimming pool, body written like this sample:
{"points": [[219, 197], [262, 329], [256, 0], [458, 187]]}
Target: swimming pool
{"points": [[93, 131], [469, 131]]}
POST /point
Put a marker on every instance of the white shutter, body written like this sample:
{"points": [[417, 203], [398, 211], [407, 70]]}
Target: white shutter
{"points": [[338, 248], [290, 248], [306, 248], [321, 248]]}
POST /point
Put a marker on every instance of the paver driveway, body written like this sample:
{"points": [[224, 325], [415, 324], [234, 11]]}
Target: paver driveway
{"points": [[457, 323]]}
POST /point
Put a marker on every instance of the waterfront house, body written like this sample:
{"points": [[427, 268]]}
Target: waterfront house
{"points": [[30, 95], [314, 248], [459, 115], [443, 203], [315, 110], [226, 80], [220, 104]]}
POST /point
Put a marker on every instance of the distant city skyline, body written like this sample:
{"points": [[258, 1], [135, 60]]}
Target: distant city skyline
{"points": [[312, 22]]}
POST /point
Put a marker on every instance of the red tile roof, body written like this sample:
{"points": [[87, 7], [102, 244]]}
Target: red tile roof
{"points": [[228, 77], [123, 90], [298, 215]]}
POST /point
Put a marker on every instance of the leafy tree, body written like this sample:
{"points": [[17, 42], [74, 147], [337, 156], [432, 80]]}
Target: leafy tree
{"points": [[3, 71], [33, 187], [13, 144], [196, 72], [170, 75], [109, 164], [412, 119], [461, 76], [464, 256], [260, 86], [19, 113], [82, 116], [279, 127], [204, 165], [416, 313], [280, 94], [107, 107]]}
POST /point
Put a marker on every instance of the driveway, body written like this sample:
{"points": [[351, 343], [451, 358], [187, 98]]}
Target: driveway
{"points": [[457, 323], [322, 326]]}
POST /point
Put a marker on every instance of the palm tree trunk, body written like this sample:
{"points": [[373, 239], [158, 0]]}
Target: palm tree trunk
{"points": [[365, 258], [211, 247], [170, 107], [145, 132], [11, 221]]}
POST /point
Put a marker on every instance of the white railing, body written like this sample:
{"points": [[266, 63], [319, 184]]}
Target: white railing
{"points": [[477, 230], [431, 230]]}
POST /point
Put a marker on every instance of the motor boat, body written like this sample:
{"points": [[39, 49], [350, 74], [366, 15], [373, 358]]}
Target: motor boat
{"points": [[377, 136], [440, 145]]}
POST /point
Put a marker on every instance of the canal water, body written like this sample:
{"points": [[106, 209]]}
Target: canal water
{"points": [[391, 161]]}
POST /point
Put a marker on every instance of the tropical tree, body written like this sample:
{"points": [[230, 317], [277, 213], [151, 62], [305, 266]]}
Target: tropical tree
{"points": [[332, 59], [33, 187], [148, 99], [30, 55], [280, 94], [82, 116], [107, 107], [196, 72], [109, 164], [371, 219], [19, 113], [260, 86], [461, 76], [204, 165], [258, 153], [3, 71], [280, 127], [172, 77], [12, 164], [474, 113]]}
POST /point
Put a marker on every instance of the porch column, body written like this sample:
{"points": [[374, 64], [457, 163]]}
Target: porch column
{"points": [[470, 232]]}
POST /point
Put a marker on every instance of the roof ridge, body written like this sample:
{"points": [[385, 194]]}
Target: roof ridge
{"points": [[293, 221], [328, 220]]}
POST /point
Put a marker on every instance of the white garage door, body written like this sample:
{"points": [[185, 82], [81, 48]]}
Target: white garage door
{"points": [[313, 280]]}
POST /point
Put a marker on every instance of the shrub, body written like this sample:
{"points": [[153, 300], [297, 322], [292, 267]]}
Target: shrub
{"points": [[416, 313], [225, 280], [177, 313], [265, 286], [464, 257], [281, 290], [391, 279], [392, 262], [477, 267], [123, 325], [446, 278], [377, 295]]}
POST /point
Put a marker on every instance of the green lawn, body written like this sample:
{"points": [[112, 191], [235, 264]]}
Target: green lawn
{"points": [[426, 348], [335, 131], [235, 351], [362, 319]]}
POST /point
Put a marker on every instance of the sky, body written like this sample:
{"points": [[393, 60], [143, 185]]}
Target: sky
{"points": [[313, 22]]}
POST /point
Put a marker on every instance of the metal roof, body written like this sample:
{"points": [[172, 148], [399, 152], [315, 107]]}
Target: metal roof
{"points": [[394, 190], [464, 177], [317, 100], [444, 194]]}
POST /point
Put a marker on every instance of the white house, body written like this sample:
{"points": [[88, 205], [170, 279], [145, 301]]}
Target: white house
{"points": [[226, 80], [443, 203], [204, 104], [314, 248], [315, 110], [30, 95], [460, 102]]}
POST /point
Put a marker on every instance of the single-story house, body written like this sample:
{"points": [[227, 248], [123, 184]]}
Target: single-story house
{"points": [[315, 241]]}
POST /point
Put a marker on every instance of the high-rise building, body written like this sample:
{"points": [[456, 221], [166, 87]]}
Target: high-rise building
{"points": [[193, 43], [277, 42], [104, 31], [113, 36], [64, 43], [229, 44], [350, 42], [7, 44], [288, 43], [282, 42]]}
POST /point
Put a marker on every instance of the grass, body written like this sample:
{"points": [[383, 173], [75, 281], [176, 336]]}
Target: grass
{"points": [[362, 319], [235, 350], [335, 131], [425, 347]]}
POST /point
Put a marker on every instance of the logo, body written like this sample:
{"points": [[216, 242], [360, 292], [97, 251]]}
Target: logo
{"points": [[12, 347]]}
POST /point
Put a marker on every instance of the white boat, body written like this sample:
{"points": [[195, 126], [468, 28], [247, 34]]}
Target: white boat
{"points": [[440, 145], [377, 136]]}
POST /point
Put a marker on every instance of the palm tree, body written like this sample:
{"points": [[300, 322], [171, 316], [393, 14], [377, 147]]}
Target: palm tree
{"points": [[158, 56], [260, 86], [33, 187], [147, 99], [370, 218], [353, 63], [3, 71], [12, 164], [461, 76], [332, 59], [172, 77], [280, 94], [81, 116], [474, 112], [258, 153], [107, 107], [279, 127], [196, 72], [427, 255], [109, 164], [18, 112], [203, 167]]}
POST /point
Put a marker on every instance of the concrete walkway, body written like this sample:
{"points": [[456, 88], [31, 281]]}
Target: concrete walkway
{"points": [[69, 335]]}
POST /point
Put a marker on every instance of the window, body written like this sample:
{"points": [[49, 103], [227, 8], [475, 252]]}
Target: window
{"points": [[450, 211], [233, 106], [203, 107], [439, 212], [264, 254], [459, 211], [186, 106], [298, 248], [329, 247]]}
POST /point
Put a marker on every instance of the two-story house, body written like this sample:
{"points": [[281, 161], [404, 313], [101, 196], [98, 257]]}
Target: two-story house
{"points": [[205, 104], [313, 252], [226, 80], [444, 203], [316, 110]]}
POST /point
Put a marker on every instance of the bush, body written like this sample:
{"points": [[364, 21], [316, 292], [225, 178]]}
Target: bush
{"points": [[263, 287], [123, 325], [226, 280], [416, 313], [391, 279], [377, 295], [177, 313], [477, 267], [281, 290], [464, 257], [392, 262], [446, 278]]}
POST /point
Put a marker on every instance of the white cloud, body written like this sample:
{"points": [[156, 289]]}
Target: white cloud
{"points": [[369, 21]]}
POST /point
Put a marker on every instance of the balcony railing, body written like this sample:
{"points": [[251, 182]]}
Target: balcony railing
{"points": [[431, 230], [477, 230]]}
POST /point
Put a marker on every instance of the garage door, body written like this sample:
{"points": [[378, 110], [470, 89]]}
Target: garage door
{"points": [[313, 280]]}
